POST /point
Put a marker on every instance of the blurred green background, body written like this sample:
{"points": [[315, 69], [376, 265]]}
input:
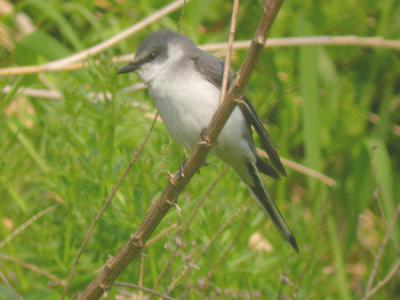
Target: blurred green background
{"points": [[333, 109]]}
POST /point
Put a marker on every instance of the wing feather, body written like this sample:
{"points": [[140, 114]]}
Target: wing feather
{"points": [[213, 69]]}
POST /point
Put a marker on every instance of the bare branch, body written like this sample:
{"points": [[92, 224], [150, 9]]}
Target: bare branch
{"points": [[228, 58], [161, 235], [302, 169], [34, 269], [73, 59], [370, 42], [356, 41], [25, 225], [35, 93], [141, 275]]}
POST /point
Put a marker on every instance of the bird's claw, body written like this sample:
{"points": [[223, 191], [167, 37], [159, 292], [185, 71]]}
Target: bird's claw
{"points": [[181, 170]]}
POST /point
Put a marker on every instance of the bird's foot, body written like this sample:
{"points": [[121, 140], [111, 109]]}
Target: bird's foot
{"points": [[181, 170]]}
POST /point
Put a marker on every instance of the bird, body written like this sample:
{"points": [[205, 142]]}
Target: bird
{"points": [[185, 84]]}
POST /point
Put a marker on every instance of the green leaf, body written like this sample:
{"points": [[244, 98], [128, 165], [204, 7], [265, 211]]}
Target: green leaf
{"points": [[382, 168], [339, 261], [309, 90]]}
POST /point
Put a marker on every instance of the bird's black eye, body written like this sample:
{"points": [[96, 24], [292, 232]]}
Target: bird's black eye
{"points": [[152, 55]]}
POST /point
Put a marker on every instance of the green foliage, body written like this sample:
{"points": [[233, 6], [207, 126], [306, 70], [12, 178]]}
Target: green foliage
{"points": [[316, 102]]}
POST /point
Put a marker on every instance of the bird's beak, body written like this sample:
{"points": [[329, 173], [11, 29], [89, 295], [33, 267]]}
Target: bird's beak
{"points": [[130, 67]]}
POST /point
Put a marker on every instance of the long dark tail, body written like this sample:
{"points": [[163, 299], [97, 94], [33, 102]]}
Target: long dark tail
{"points": [[270, 208]]}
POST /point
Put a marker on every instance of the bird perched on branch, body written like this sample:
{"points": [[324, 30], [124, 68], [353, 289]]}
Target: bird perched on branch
{"points": [[185, 83]]}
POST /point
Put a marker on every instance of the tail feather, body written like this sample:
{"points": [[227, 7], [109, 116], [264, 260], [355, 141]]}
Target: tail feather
{"points": [[270, 208], [266, 168]]}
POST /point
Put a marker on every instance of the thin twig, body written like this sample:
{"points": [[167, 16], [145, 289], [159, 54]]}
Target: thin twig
{"points": [[370, 42], [302, 169], [73, 59], [141, 275], [34, 269], [228, 58], [379, 254], [356, 41], [178, 181], [142, 288], [35, 93], [7, 284], [25, 225], [185, 227], [384, 281], [57, 95], [308, 171], [107, 202], [161, 235]]}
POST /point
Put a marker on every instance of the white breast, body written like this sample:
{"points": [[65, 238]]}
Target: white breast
{"points": [[186, 103]]}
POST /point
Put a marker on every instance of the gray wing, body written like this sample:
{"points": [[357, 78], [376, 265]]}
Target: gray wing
{"points": [[213, 70], [266, 142]]}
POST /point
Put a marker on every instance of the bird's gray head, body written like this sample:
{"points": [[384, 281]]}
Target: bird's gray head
{"points": [[159, 50]]}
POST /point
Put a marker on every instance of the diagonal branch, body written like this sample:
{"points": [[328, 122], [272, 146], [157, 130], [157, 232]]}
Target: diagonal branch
{"points": [[356, 41], [35, 269], [228, 58], [132, 249], [70, 60], [346, 40], [25, 225]]}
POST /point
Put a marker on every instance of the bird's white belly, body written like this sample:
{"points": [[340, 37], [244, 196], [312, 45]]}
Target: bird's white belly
{"points": [[187, 107]]}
